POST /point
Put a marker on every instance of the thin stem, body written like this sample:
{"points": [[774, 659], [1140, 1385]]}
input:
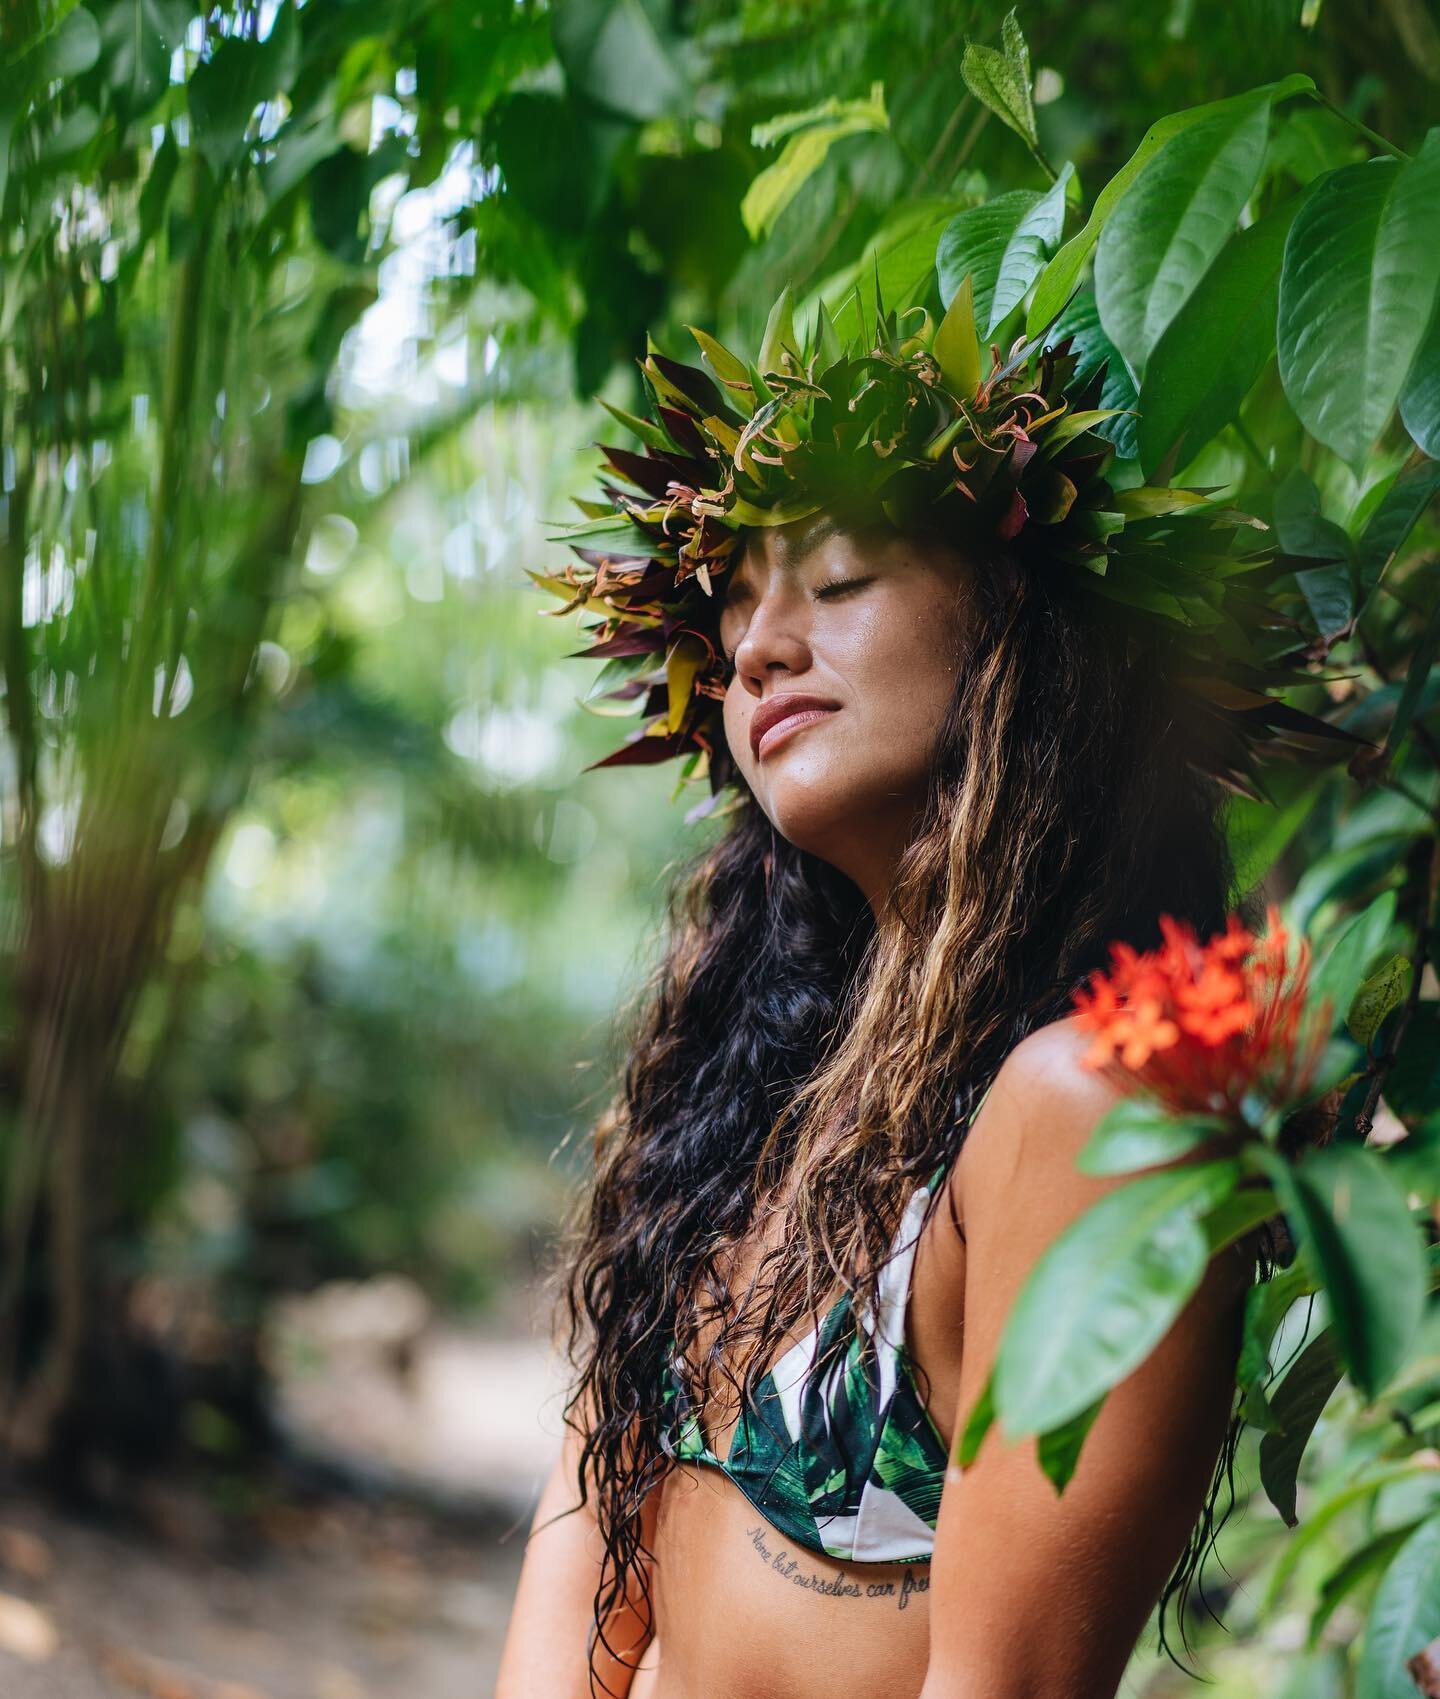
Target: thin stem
{"points": [[1041, 160], [1364, 129]]}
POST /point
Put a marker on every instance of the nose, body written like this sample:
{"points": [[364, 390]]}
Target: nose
{"points": [[777, 636]]}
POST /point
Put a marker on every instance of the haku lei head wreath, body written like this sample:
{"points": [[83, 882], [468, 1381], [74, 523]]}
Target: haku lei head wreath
{"points": [[913, 430]]}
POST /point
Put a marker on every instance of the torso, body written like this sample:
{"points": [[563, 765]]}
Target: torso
{"points": [[719, 1564]]}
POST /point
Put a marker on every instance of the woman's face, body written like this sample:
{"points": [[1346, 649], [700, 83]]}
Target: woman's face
{"points": [[874, 627]]}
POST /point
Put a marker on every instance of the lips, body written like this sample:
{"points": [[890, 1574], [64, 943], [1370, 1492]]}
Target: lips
{"points": [[788, 705]]}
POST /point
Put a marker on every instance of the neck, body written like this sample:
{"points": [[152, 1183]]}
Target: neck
{"points": [[874, 862]]}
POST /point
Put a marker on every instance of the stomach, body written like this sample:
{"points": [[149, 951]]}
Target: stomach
{"points": [[743, 1612]]}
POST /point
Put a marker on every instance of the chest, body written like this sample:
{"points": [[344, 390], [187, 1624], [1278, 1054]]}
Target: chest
{"points": [[933, 1328]]}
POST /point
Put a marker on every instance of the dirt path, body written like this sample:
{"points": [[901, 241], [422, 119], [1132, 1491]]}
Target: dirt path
{"points": [[344, 1600], [340, 1603]]}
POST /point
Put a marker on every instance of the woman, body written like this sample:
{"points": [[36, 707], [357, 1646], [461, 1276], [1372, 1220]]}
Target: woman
{"points": [[855, 1092]]}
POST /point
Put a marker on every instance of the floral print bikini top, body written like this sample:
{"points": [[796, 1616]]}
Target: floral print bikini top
{"points": [[852, 1467]]}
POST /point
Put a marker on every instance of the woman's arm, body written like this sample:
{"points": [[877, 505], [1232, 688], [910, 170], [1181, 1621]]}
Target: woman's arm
{"points": [[544, 1650], [1031, 1592]]}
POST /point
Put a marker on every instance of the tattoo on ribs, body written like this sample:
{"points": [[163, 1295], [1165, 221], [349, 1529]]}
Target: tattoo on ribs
{"points": [[835, 1586]]}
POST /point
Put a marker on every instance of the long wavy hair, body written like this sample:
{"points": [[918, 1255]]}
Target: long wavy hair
{"points": [[783, 1040]]}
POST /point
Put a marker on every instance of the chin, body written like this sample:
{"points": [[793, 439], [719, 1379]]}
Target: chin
{"points": [[814, 806]]}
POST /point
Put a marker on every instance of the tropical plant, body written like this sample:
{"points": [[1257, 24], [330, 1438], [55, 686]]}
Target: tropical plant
{"points": [[1282, 333]]}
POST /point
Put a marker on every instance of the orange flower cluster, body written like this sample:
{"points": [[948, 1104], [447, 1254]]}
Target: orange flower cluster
{"points": [[1206, 1025]]}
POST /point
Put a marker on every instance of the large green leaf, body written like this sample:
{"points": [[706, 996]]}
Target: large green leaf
{"points": [[1352, 1494], [1359, 1240], [224, 91], [1137, 1132], [1420, 396], [976, 241], [1213, 350], [1341, 966], [809, 136], [1353, 1571], [1173, 221], [1381, 994], [1357, 288], [71, 48], [1295, 1409], [1404, 1618], [1104, 1294], [619, 54], [1392, 521], [1028, 248], [139, 38], [1258, 832], [1095, 352], [1339, 873], [1266, 1305], [1061, 275]]}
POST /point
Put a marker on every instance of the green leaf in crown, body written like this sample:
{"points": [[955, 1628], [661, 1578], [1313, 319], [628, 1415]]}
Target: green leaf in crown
{"points": [[915, 426]]}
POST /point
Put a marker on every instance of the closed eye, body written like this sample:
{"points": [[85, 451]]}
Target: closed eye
{"points": [[837, 585]]}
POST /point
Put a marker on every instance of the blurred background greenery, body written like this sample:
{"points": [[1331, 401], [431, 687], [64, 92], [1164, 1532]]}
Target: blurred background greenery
{"points": [[316, 933]]}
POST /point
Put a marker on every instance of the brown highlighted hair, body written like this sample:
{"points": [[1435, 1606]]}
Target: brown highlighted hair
{"points": [[783, 1042]]}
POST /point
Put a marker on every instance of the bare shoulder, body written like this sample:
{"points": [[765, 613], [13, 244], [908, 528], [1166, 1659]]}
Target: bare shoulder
{"points": [[1039, 1113]]}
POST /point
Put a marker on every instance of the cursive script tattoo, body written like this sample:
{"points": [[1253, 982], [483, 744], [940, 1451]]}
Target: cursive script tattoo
{"points": [[836, 1586]]}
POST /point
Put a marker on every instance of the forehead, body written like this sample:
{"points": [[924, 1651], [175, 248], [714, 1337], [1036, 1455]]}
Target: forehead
{"points": [[788, 546]]}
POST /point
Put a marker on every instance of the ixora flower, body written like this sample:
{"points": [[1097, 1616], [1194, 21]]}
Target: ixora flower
{"points": [[916, 427], [1208, 1028]]}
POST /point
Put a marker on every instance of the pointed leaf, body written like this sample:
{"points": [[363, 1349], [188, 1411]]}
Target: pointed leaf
{"points": [[1001, 80], [977, 1424], [1063, 272], [1420, 398], [779, 333], [1358, 1238], [1404, 1619], [1175, 218], [1357, 288], [1381, 994], [975, 242], [1137, 1132], [1296, 1407], [1058, 1451], [1213, 350], [957, 347], [1104, 1294], [1393, 520]]}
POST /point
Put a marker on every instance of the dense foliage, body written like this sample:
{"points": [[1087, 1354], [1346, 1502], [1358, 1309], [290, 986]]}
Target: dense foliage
{"points": [[302, 310]]}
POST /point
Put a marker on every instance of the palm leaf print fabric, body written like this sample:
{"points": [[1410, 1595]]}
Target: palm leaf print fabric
{"points": [[847, 1463]]}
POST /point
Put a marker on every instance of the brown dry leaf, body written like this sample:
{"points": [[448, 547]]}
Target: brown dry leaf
{"points": [[1424, 1669], [24, 1553], [26, 1631]]}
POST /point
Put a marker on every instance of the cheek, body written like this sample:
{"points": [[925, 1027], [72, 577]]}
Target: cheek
{"points": [[737, 725], [904, 660]]}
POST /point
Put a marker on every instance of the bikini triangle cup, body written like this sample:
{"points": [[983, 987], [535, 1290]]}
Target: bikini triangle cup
{"points": [[850, 1465]]}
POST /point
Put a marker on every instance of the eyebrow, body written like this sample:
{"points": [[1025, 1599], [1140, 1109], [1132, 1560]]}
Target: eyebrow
{"points": [[793, 552]]}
